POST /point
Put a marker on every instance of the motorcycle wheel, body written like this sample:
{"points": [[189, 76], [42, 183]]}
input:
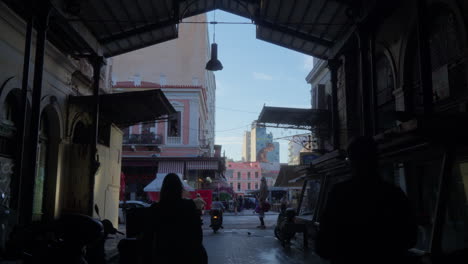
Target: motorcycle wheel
{"points": [[277, 233]]}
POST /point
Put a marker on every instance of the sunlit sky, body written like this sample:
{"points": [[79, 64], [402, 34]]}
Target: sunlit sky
{"points": [[255, 73]]}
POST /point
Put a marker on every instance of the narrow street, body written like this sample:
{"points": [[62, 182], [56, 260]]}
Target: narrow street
{"points": [[241, 242]]}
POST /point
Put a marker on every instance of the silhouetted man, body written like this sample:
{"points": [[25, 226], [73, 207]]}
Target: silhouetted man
{"points": [[365, 219]]}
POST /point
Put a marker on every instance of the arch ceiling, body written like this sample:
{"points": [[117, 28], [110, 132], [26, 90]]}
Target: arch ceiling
{"points": [[118, 26]]}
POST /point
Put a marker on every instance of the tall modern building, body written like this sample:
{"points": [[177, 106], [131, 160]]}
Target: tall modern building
{"points": [[246, 147], [262, 147], [258, 146]]}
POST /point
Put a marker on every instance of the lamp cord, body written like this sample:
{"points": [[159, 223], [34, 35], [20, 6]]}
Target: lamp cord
{"points": [[214, 26]]}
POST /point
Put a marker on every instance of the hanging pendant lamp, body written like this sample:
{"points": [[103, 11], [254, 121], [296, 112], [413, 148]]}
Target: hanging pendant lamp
{"points": [[214, 64]]}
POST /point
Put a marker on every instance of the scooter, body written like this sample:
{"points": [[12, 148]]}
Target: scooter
{"points": [[216, 219], [284, 229]]}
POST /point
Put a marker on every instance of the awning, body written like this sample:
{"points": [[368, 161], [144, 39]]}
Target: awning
{"points": [[297, 118], [156, 184], [125, 109], [171, 166], [202, 165]]}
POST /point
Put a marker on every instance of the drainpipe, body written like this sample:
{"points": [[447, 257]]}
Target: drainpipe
{"points": [[22, 135], [97, 63], [27, 188]]}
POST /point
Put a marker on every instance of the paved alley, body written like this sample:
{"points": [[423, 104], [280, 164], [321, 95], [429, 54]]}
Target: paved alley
{"points": [[241, 242]]}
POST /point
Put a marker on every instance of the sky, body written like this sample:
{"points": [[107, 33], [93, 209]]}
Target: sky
{"points": [[256, 73]]}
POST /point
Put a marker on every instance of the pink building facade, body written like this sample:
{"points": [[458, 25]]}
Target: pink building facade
{"points": [[243, 176], [181, 135]]}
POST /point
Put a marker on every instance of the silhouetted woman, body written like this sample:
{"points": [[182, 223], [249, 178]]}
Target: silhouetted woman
{"points": [[176, 233]]}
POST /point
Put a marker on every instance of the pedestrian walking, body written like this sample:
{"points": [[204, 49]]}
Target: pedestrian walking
{"points": [[200, 203], [235, 204], [366, 220]]}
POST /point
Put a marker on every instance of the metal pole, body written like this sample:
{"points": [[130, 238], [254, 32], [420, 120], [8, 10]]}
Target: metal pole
{"points": [[373, 86], [97, 63], [425, 71], [333, 67], [363, 40], [442, 200], [22, 135], [28, 184]]}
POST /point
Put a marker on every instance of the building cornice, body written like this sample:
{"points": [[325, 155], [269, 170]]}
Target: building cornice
{"points": [[316, 70]]}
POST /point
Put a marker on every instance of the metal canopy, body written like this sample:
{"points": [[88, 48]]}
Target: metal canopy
{"points": [[124, 109], [298, 118], [110, 28]]}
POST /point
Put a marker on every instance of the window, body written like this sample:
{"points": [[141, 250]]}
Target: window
{"points": [[238, 175], [238, 186], [173, 125], [256, 186], [248, 176], [256, 175], [448, 68], [384, 93], [249, 186], [231, 184]]}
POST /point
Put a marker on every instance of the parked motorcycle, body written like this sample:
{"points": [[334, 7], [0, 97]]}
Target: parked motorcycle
{"points": [[73, 238], [284, 229], [216, 219]]}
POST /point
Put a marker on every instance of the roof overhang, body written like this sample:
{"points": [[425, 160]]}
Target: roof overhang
{"points": [[124, 109], [296, 118], [110, 28]]}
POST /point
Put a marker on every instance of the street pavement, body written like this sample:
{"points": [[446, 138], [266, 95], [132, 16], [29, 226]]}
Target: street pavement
{"points": [[242, 242]]}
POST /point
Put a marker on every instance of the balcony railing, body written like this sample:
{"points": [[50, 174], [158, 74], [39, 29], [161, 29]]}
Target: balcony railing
{"points": [[174, 141], [143, 139]]}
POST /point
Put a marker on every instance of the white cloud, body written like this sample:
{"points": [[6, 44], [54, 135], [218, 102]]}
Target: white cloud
{"points": [[262, 76], [308, 62]]}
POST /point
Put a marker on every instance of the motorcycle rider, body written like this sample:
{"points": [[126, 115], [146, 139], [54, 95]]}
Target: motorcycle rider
{"points": [[217, 205]]}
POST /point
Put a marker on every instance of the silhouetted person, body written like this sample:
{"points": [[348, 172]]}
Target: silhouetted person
{"points": [[366, 220], [174, 227]]}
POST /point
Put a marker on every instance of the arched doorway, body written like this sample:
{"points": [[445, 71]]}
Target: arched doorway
{"points": [[44, 196]]}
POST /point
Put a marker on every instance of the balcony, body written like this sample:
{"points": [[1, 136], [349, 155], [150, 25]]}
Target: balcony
{"points": [[174, 140], [143, 139]]}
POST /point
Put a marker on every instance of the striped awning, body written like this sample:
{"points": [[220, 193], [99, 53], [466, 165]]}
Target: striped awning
{"points": [[202, 165], [171, 166]]}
